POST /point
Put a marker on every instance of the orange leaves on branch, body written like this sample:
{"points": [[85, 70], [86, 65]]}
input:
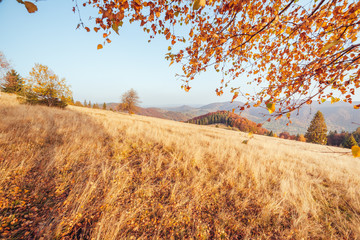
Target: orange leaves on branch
{"points": [[236, 94], [87, 29], [99, 46], [298, 56]]}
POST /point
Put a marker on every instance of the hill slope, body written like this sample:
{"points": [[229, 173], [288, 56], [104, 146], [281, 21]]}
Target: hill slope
{"points": [[81, 173]]}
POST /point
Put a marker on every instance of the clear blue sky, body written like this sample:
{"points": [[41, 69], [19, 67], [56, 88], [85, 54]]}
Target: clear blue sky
{"points": [[49, 37]]}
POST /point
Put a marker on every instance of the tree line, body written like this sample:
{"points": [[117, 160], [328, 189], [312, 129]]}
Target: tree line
{"points": [[229, 119]]}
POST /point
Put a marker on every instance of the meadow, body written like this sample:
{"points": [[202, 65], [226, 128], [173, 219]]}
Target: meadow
{"points": [[80, 173]]}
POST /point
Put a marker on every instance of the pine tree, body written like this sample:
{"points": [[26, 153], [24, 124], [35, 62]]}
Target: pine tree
{"points": [[104, 106], [13, 82], [316, 133], [349, 142]]}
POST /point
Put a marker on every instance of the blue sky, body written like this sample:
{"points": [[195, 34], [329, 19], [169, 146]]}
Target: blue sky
{"points": [[49, 37]]}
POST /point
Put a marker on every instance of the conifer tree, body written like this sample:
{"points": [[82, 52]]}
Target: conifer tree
{"points": [[350, 142], [13, 83], [316, 133], [104, 106]]}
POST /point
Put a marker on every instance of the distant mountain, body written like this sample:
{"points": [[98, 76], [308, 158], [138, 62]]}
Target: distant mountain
{"points": [[159, 113], [339, 116]]}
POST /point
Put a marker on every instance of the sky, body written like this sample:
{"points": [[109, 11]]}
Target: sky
{"points": [[49, 37]]}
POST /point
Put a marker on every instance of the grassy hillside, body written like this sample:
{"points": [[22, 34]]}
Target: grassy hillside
{"points": [[81, 173]]}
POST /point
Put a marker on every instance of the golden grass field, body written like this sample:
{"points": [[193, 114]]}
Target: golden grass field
{"points": [[81, 173]]}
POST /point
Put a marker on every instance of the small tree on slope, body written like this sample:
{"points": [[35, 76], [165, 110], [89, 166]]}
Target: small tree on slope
{"points": [[316, 133], [350, 142], [129, 101], [13, 83]]}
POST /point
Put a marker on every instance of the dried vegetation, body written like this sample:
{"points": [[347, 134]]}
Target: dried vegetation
{"points": [[81, 173]]}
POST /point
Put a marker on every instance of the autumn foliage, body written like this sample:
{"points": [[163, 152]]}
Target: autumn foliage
{"points": [[295, 52], [12, 82], [229, 119], [44, 87]]}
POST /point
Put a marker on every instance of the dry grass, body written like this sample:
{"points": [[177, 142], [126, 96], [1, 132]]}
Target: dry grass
{"points": [[91, 174]]}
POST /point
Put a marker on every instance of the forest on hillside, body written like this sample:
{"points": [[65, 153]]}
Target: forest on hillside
{"points": [[229, 119]]}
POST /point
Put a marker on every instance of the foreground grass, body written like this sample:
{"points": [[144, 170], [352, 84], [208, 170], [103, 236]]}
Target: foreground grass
{"points": [[91, 174]]}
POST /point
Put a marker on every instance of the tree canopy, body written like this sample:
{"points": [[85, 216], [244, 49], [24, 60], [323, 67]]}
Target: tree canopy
{"points": [[12, 83], [316, 133], [294, 52], [44, 87], [129, 101]]}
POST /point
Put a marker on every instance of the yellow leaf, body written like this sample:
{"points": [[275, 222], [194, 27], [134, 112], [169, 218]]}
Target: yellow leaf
{"points": [[329, 45], [270, 107], [355, 151], [99, 46], [198, 4], [30, 7], [115, 27]]}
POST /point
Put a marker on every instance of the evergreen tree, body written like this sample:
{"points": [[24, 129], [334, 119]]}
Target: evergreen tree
{"points": [[85, 103], [13, 83], [104, 106], [316, 133], [349, 142]]}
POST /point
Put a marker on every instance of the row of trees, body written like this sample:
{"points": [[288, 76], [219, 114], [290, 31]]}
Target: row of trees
{"points": [[89, 105], [129, 103], [42, 86], [344, 139]]}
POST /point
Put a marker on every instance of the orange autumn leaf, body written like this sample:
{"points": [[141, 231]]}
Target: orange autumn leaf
{"points": [[355, 150], [99, 46], [30, 7]]}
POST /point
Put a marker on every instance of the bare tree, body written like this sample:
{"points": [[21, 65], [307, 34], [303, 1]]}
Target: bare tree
{"points": [[129, 101]]}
